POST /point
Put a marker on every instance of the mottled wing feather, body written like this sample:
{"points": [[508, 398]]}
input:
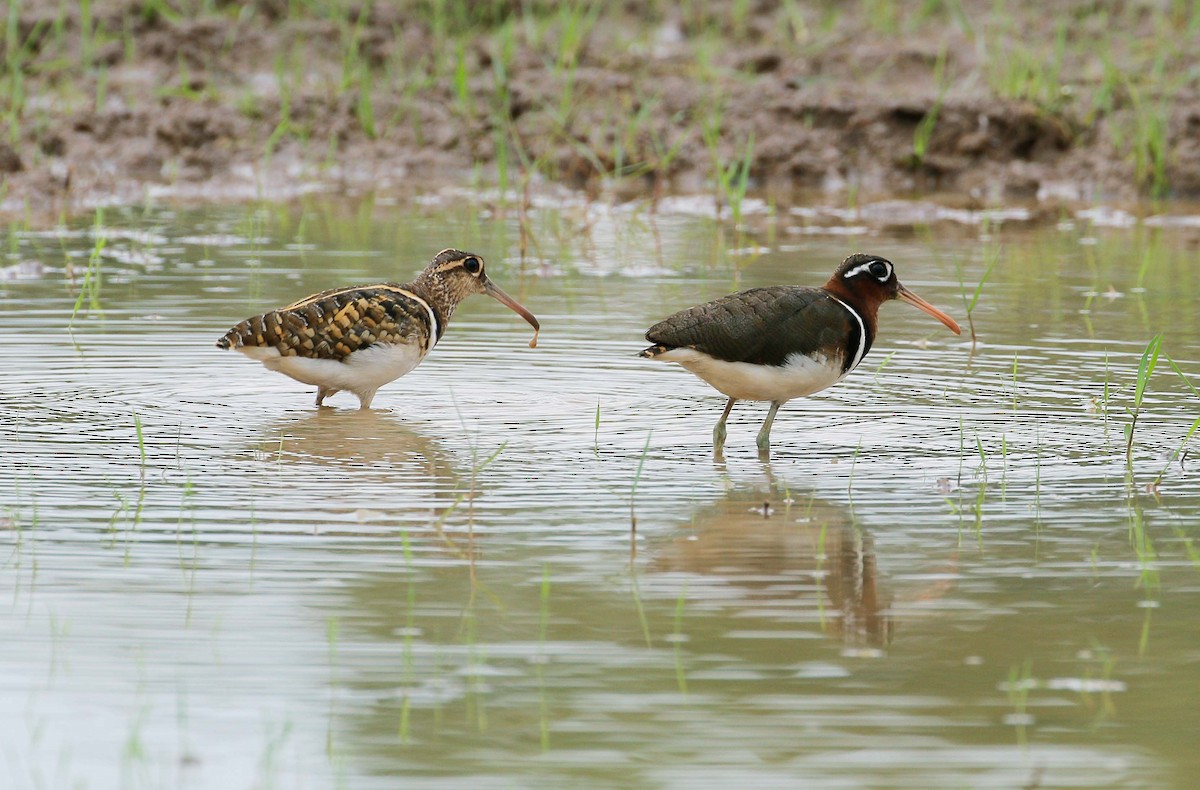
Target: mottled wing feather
{"points": [[334, 324], [762, 326]]}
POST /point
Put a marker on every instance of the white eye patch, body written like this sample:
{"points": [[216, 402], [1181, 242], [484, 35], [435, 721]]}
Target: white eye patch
{"points": [[880, 270]]}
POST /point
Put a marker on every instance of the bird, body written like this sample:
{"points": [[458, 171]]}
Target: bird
{"points": [[783, 341], [362, 337]]}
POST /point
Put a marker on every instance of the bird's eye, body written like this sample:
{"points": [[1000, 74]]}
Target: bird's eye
{"points": [[472, 265], [880, 271]]}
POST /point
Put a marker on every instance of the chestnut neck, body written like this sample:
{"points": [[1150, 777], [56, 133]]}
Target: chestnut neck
{"points": [[863, 300]]}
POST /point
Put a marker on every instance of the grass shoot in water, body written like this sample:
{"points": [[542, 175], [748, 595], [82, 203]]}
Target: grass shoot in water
{"points": [[637, 605], [732, 177], [1145, 370], [1020, 681], [1004, 467], [678, 639], [89, 289], [993, 257], [633, 492], [883, 364], [137, 424]]}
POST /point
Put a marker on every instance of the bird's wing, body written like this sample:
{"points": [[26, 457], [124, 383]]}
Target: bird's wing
{"points": [[334, 324], [760, 326]]}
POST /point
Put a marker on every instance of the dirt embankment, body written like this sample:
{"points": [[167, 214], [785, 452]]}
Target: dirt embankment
{"points": [[1097, 102]]}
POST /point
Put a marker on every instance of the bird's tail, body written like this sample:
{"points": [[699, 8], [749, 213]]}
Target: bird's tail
{"points": [[252, 332], [653, 351]]}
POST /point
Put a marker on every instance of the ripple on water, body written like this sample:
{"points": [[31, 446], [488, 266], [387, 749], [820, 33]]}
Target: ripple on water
{"points": [[451, 587]]}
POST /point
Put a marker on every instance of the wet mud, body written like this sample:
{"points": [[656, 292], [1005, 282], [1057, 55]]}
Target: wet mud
{"points": [[135, 103]]}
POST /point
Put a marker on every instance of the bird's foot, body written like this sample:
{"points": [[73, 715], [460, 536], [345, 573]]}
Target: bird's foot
{"points": [[764, 434], [719, 429], [764, 445]]}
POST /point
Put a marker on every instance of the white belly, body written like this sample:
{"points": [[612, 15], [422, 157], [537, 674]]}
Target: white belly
{"points": [[363, 371], [798, 377]]}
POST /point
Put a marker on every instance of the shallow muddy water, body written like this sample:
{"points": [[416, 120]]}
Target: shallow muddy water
{"points": [[942, 578]]}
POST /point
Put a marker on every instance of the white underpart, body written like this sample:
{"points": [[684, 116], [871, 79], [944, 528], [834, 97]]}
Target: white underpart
{"points": [[800, 375], [363, 371]]}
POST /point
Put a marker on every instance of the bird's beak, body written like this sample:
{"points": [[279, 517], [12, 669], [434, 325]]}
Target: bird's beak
{"points": [[906, 295], [494, 291]]}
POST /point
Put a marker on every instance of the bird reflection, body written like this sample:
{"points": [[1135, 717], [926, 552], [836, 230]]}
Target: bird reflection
{"points": [[369, 440], [780, 552], [370, 462]]}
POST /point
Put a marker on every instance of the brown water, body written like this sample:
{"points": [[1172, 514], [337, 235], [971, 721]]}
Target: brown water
{"points": [[941, 579]]}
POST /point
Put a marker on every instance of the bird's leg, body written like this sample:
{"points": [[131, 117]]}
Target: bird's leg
{"points": [[323, 393], [719, 430], [764, 434]]}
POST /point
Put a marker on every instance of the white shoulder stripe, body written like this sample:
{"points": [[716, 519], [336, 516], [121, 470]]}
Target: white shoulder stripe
{"points": [[862, 334], [432, 340]]}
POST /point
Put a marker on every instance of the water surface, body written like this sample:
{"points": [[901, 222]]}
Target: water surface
{"points": [[944, 576]]}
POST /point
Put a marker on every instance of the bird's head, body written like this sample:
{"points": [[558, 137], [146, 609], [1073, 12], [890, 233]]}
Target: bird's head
{"points": [[453, 275], [869, 281]]}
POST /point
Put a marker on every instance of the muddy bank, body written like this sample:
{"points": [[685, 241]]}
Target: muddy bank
{"points": [[137, 100]]}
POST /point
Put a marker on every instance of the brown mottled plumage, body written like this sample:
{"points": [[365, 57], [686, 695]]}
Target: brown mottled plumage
{"points": [[334, 324], [363, 337]]}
